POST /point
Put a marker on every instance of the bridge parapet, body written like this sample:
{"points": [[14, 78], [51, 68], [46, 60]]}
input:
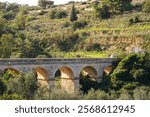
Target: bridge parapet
{"points": [[28, 61]]}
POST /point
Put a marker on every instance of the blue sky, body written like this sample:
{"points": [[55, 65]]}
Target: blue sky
{"points": [[34, 2]]}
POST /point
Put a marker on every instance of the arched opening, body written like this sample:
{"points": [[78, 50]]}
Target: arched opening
{"points": [[42, 75], [64, 79], [88, 78], [107, 70], [10, 73], [12, 70], [89, 72]]}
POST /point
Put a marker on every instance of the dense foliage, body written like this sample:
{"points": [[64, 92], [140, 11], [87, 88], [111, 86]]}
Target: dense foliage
{"points": [[45, 3], [105, 8], [30, 32], [131, 71], [146, 6], [57, 14]]}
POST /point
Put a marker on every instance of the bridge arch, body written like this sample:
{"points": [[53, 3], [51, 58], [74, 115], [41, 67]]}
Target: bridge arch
{"points": [[9, 72], [107, 70], [13, 70], [64, 77], [89, 72], [42, 75]]}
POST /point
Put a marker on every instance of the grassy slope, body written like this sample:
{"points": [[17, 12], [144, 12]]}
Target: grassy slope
{"points": [[109, 33]]}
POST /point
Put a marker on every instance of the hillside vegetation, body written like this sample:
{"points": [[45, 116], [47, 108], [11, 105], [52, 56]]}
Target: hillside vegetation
{"points": [[36, 33], [119, 28]]}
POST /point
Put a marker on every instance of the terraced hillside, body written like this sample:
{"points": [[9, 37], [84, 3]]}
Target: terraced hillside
{"points": [[106, 36], [37, 34]]}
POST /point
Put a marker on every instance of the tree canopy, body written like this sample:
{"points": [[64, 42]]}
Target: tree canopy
{"points": [[45, 3], [104, 7], [132, 68]]}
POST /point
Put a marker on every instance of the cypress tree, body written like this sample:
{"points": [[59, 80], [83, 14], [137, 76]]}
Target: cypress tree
{"points": [[73, 15]]}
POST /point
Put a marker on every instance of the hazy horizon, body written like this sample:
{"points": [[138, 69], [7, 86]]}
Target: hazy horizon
{"points": [[35, 2]]}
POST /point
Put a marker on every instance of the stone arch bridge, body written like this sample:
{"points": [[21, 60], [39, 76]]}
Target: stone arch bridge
{"points": [[68, 70]]}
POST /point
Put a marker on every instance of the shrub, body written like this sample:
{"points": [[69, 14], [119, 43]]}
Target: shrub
{"points": [[11, 97], [146, 6], [66, 24], [97, 95], [125, 95], [142, 93], [94, 47], [57, 14], [31, 18], [131, 21], [9, 15], [79, 24], [13, 7], [102, 12], [52, 14], [56, 94], [136, 20], [60, 14], [69, 42], [24, 85]]}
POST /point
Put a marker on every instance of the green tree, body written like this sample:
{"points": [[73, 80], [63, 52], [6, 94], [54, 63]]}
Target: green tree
{"points": [[73, 15], [28, 48], [3, 25], [21, 21], [102, 11], [79, 24], [24, 85], [105, 7], [60, 14], [42, 3], [118, 6], [9, 15], [45, 3], [3, 6], [52, 14], [131, 69], [49, 3], [6, 47], [13, 7], [146, 6]]}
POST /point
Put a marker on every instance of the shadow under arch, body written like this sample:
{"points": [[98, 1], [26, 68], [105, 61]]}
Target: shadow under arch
{"points": [[42, 75], [64, 79], [88, 78], [107, 70], [89, 72]]}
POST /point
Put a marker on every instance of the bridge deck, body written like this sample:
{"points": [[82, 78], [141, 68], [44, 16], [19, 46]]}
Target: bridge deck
{"points": [[27, 61]]}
